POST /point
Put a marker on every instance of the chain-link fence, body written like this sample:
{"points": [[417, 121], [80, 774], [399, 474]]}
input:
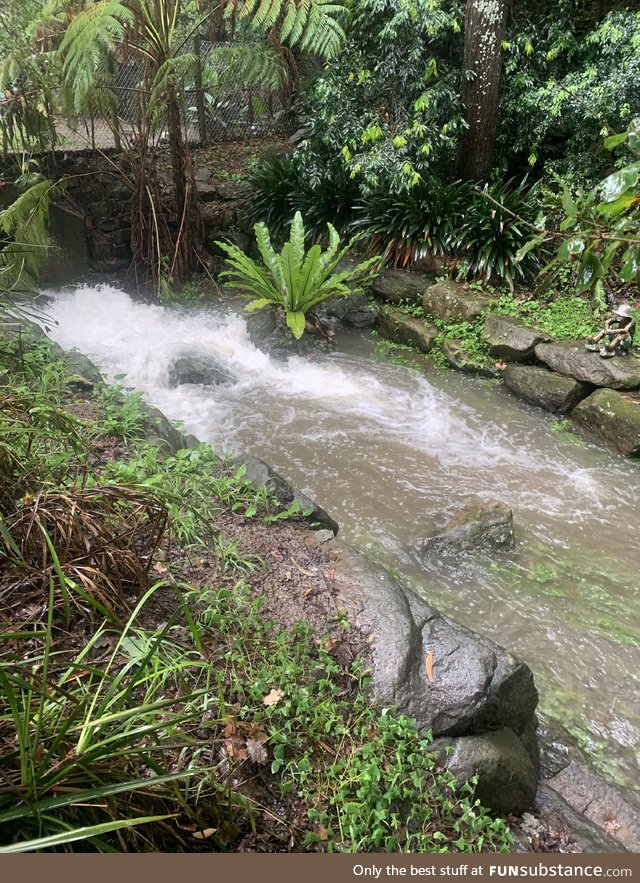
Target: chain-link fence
{"points": [[221, 103]]}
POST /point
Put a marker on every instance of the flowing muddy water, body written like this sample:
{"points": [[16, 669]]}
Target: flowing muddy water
{"points": [[389, 453]]}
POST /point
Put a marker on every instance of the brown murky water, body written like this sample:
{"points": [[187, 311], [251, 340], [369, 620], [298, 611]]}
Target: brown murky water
{"points": [[390, 453]]}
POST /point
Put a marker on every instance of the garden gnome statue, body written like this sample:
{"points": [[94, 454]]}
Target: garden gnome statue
{"points": [[616, 337]]}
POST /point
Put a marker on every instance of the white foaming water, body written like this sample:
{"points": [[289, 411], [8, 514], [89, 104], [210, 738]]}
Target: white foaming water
{"points": [[385, 450]]}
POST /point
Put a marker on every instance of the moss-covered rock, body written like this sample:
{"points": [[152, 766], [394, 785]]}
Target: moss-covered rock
{"points": [[409, 330], [615, 417], [451, 302]]}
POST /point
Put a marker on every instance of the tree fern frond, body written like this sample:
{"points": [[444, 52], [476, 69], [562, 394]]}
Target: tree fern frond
{"points": [[313, 25], [246, 65], [90, 36]]}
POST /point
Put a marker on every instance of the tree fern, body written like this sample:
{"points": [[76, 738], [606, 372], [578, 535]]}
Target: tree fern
{"points": [[89, 38], [246, 65], [311, 25]]}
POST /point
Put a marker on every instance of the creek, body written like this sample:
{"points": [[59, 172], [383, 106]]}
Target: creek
{"points": [[390, 452]]}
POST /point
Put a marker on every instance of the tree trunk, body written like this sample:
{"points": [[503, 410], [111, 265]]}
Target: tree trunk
{"points": [[484, 30], [188, 239]]}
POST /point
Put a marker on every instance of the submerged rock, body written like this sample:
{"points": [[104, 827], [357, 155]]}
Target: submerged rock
{"points": [[199, 368], [509, 338], [544, 388], [408, 330], [479, 527], [615, 417], [450, 301], [569, 357]]}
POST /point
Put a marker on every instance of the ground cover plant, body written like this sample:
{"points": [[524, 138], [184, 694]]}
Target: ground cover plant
{"points": [[165, 687]]}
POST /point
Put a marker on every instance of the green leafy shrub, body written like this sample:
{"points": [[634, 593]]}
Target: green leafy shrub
{"points": [[497, 237], [409, 225], [282, 184], [599, 230], [295, 280]]}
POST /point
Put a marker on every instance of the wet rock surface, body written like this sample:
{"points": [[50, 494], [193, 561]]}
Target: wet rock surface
{"points": [[615, 417], [509, 338], [199, 368], [400, 286], [263, 476], [569, 357], [479, 527], [544, 388], [615, 812], [356, 310], [449, 301], [507, 779], [452, 681], [408, 330]]}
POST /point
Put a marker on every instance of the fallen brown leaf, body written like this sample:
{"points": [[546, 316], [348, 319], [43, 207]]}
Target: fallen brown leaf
{"points": [[203, 835], [302, 570], [272, 697], [428, 665]]}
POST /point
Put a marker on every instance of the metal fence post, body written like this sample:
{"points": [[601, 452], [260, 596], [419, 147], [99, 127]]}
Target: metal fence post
{"points": [[202, 122]]}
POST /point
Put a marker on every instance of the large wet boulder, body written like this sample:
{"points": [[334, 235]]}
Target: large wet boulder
{"points": [[507, 778], [615, 417], [450, 680], [544, 388], [408, 330], [478, 527], [400, 286], [199, 368], [460, 360], [509, 338], [569, 357], [449, 301]]}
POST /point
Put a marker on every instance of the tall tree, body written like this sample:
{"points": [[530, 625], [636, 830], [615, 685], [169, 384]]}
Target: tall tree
{"points": [[484, 32]]}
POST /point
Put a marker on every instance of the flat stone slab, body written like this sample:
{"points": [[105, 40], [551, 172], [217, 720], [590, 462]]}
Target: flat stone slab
{"points": [[544, 388], [399, 286], [558, 816], [615, 417], [569, 357], [408, 330], [509, 338], [450, 301]]}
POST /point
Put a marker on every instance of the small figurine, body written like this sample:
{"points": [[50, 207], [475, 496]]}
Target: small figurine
{"points": [[618, 331]]}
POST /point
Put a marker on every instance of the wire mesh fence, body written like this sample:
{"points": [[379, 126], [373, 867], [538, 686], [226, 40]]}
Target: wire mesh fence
{"points": [[223, 105]]}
